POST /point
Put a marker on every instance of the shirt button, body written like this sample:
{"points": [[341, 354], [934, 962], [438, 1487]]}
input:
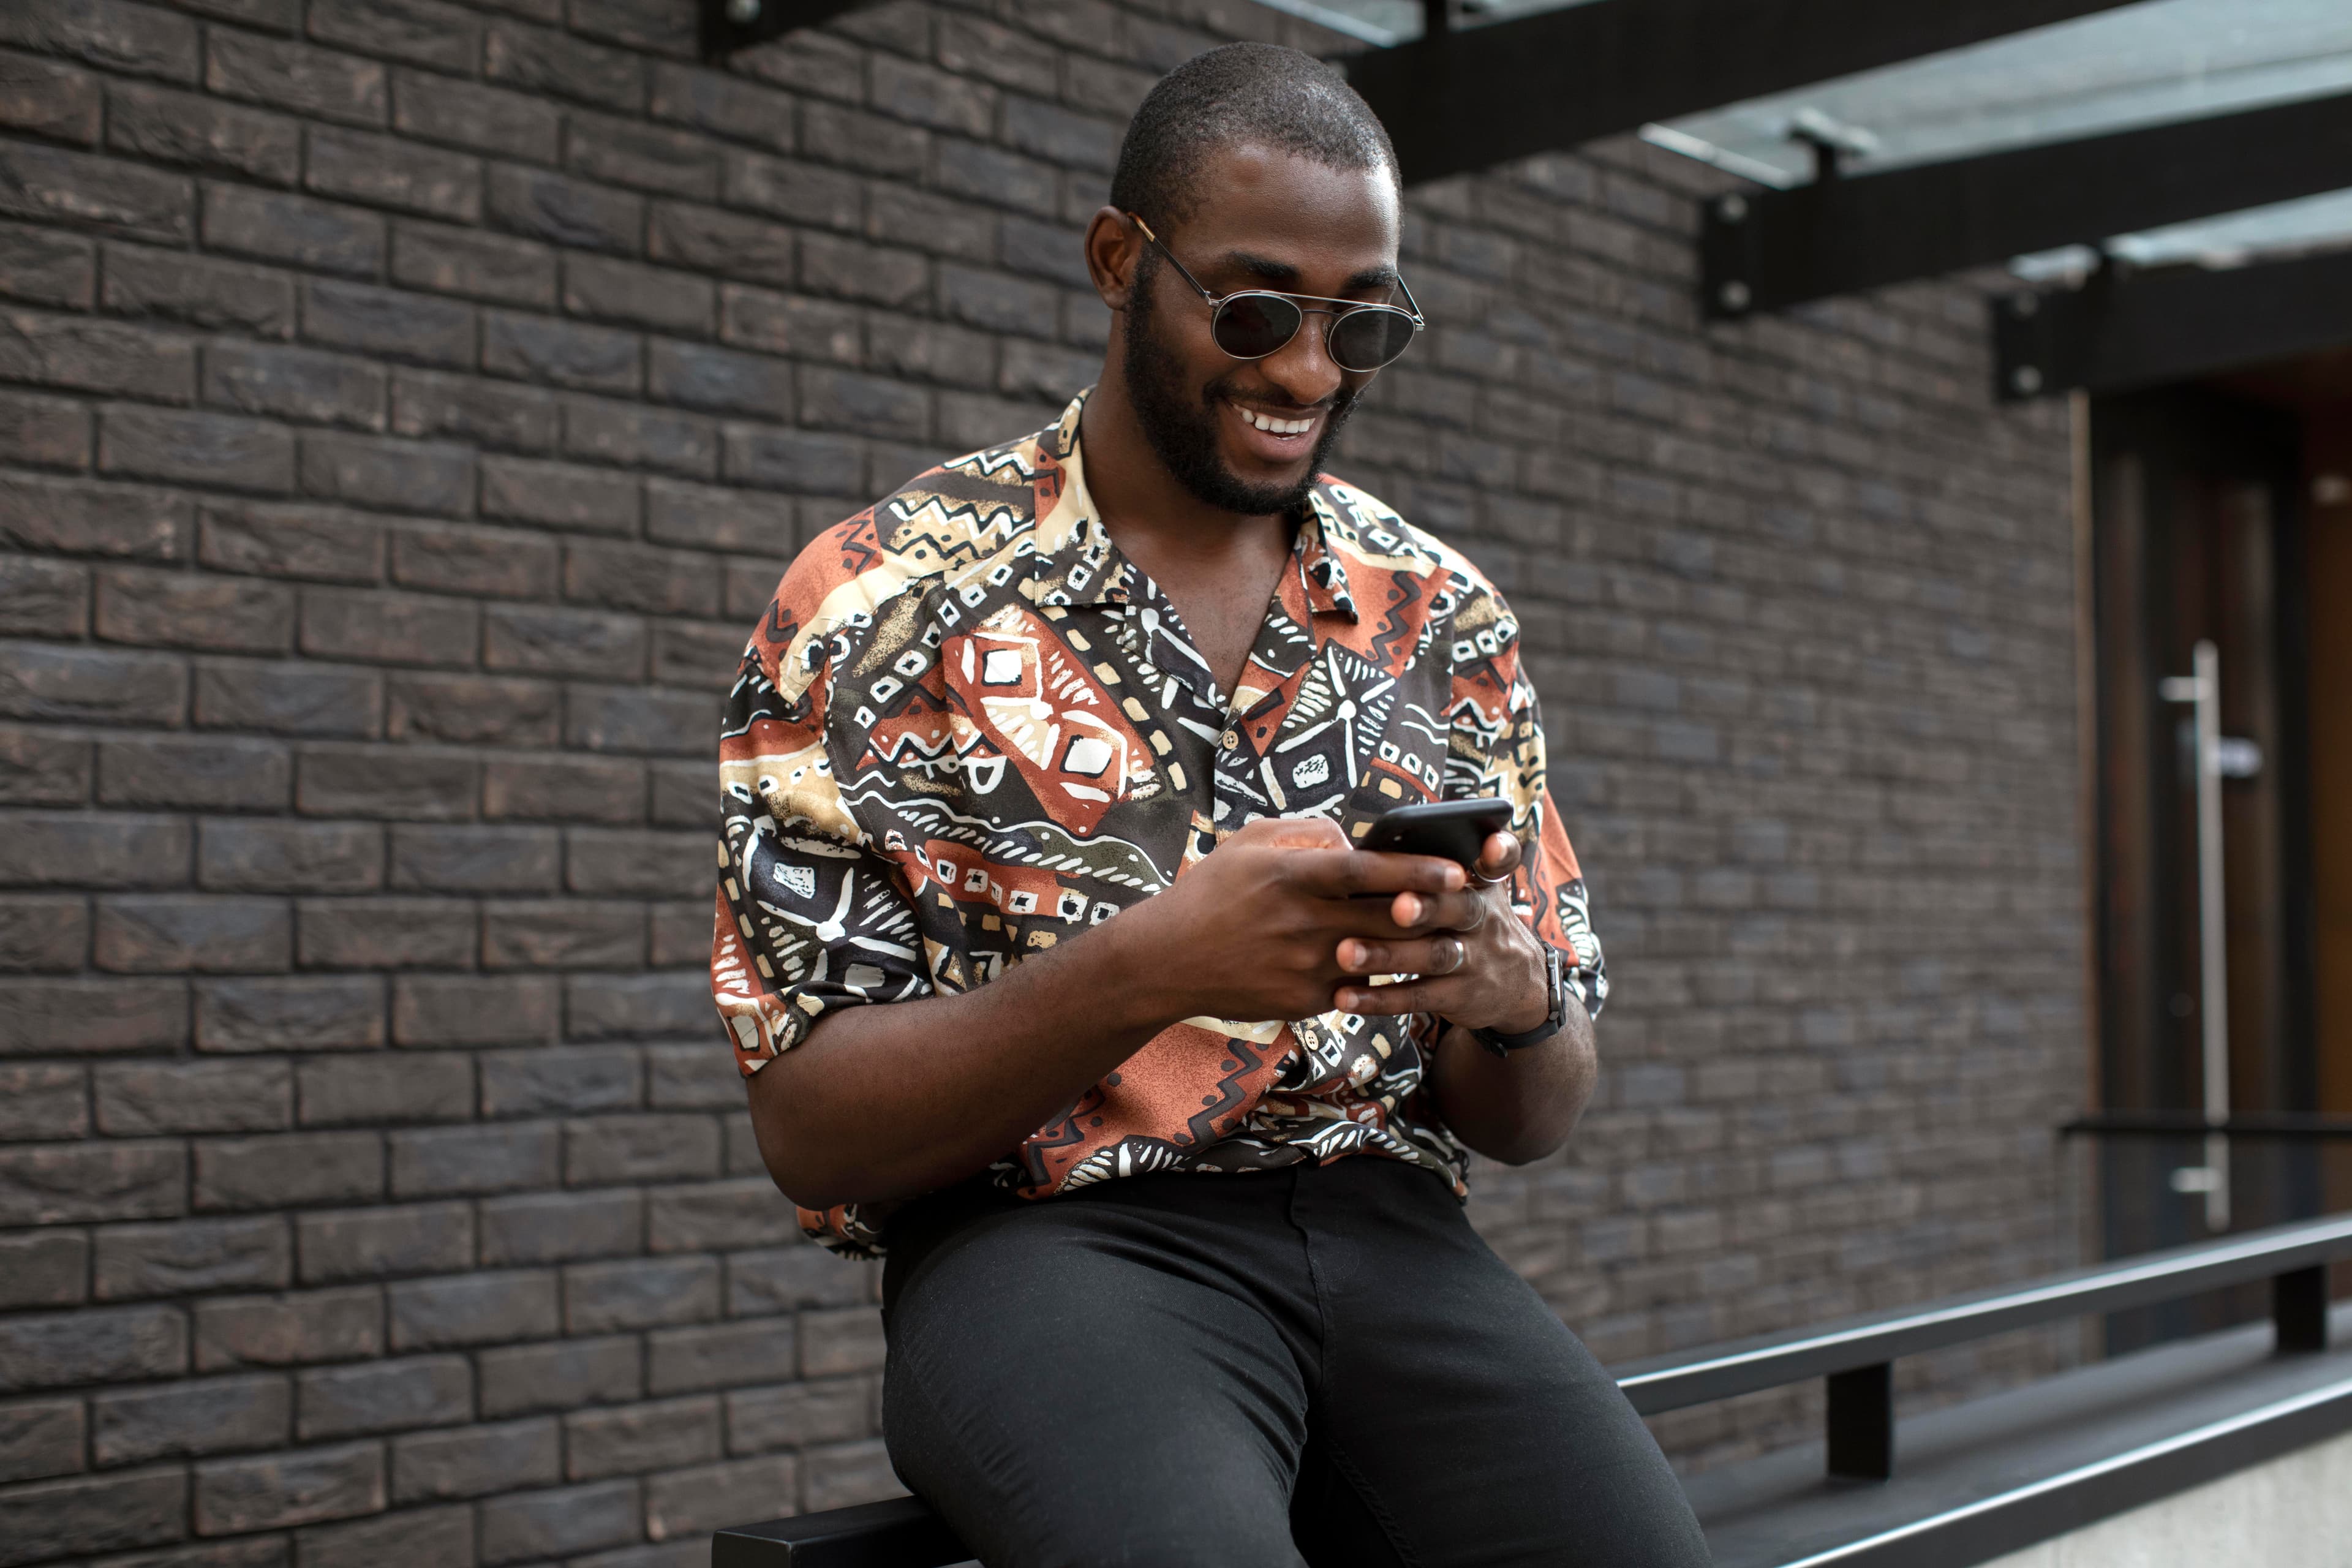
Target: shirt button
{"points": [[1230, 738]]}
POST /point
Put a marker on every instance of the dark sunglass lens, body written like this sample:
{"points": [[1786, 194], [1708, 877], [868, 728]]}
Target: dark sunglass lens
{"points": [[1367, 340], [1252, 326]]}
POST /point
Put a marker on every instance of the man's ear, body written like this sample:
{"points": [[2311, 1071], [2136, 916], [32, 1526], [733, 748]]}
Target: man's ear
{"points": [[1113, 248]]}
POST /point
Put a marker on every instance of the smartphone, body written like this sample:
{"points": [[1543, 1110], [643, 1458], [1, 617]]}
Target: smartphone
{"points": [[1449, 829]]}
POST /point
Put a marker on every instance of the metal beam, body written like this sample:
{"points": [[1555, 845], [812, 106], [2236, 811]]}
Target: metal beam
{"points": [[2126, 329], [731, 25], [1474, 97], [1760, 250]]}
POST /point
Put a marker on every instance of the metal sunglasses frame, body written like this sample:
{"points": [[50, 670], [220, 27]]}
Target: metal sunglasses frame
{"points": [[1409, 310]]}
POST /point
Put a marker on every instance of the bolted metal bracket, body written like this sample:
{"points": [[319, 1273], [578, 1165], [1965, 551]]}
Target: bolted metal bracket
{"points": [[1727, 248], [731, 25]]}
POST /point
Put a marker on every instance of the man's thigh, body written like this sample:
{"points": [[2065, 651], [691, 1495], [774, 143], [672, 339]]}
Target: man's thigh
{"points": [[1063, 1390], [1455, 1411]]}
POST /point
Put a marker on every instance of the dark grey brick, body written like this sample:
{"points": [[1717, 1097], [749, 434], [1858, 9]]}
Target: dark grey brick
{"points": [[718, 380], [322, 543], [419, 1238], [298, 1487], [215, 449], [300, 230], [646, 157], [389, 628], [190, 1255], [713, 517], [41, 1438], [744, 1212], [790, 325], [493, 562], [414, 1086], [487, 413], [43, 1102], [637, 437], [391, 1541], [44, 848], [51, 1017], [638, 578], [473, 1461], [446, 38], [473, 709], [43, 1268], [601, 1007], [568, 642], [617, 1149], [565, 354], [874, 274], [51, 184], [94, 1513], [288, 1169], [138, 1099], [575, 1078], [799, 192], [90, 685], [45, 99], [289, 1329], [385, 933], [192, 772], [466, 114], [96, 1344], [324, 1013], [40, 767], [294, 384], [560, 1227], [637, 1437], [203, 133], [403, 783], [786, 1279], [152, 935], [45, 431], [44, 599], [869, 405], [722, 104], [540, 205], [45, 267], [96, 356], [476, 265], [801, 1414], [267, 857], [388, 323], [472, 1010], [632, 294], [650, 864], [295, 77], [721, 1355], [796, 460], [193, 610], [476, 859], [383, 171], [199, 292], [213, 1415], [711, 239], [472, 1309], [294, 698], [611, 1298], [685, 1504], [441, 1162], [564, 1375], [836, 1343], [410, 476], [561, 495], [99, 520], [831, 133], [552, 1523], [564, 66], [568, 933]]}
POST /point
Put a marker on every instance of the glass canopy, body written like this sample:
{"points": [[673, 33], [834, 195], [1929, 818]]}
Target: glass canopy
{"points": [[2151, 63]]}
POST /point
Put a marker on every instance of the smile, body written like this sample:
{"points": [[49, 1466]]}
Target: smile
{"points": [[1272, 425]]}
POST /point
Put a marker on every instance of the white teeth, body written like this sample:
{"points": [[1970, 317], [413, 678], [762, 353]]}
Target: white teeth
{"points": [[1277, 426]]}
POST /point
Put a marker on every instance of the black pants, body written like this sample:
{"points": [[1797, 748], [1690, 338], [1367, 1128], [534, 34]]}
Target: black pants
{"points": [[1323, 1363]]}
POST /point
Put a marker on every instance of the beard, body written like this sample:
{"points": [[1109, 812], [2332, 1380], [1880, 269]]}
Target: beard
{"points": [[1182, 426]]}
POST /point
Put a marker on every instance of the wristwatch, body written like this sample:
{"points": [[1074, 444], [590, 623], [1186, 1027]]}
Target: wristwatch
{"points": [[1555, 1018]]}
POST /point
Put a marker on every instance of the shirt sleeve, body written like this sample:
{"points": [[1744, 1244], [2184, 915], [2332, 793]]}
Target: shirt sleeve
{"points": [[1497, 748], [810, 916]]}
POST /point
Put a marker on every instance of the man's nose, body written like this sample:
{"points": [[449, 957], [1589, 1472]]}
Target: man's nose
{"points": [[1303, 367]]}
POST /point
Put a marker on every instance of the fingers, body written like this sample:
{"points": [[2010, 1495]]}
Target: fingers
{"points": [[1463, 912], [1500, 856], [1295, 832], [1344, 873], [1405, 996], [1424, 955]]}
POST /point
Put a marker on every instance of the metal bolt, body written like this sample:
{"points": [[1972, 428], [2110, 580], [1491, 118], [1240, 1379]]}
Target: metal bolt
{"points": [[2025, 304], [1732, 208], [2027, 379], [743, 13], [1734, 295]]}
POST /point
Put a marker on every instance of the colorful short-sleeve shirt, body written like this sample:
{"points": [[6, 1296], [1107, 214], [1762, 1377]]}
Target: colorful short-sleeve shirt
{"points": [[967, 729]]}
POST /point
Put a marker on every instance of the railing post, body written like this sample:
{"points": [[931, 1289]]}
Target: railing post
{"points": [[2299, 1310], [1862, 1423]]}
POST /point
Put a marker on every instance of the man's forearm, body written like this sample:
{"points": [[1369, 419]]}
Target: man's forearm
{"points": [[1521, 1107], [894, 1099]]}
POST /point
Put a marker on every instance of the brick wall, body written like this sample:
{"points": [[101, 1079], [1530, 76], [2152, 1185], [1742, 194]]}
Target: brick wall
{"points": [[408, 404]]}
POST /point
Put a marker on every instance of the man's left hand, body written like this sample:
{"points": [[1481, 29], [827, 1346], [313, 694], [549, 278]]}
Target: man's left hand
{"points": [[1470, 959]]}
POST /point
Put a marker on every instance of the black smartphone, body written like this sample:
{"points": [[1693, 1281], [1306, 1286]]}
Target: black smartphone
{"points": [[1449, 829]]}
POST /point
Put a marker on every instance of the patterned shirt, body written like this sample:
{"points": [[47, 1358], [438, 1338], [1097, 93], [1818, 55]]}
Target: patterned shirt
{"points": [[968, 728]]}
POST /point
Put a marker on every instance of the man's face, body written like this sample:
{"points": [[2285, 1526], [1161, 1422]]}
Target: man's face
{"points": [[1264, 220]]}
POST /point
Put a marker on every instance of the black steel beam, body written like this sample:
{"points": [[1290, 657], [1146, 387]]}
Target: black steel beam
{"points": [[1859, 1422], [1764, 249], [1474, 97], [731, 25], [2126, 329], [2288, 1126]]}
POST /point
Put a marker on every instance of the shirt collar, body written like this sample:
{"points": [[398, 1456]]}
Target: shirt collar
{"points": [[1076, 564]]}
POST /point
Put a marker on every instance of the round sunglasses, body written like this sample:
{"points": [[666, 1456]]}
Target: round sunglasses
{"points": [[1252, 323]]}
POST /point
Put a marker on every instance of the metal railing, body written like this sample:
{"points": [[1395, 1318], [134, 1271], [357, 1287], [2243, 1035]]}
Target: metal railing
{"points": [[1856, 1358]]}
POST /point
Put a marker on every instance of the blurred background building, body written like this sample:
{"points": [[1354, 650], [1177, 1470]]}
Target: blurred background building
{"points": [[409, 403]]}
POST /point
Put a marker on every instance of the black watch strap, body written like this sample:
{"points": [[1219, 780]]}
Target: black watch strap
{"points": [[1555, 1016]]}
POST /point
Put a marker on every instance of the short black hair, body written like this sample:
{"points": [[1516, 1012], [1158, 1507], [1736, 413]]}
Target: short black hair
{"points": [[1264, 93]]}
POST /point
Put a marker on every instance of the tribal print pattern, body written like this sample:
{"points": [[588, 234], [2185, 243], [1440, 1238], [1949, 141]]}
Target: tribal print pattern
{"points": [[967, 729]]}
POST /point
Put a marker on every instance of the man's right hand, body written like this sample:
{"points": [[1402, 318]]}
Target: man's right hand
{"points": [[1252, 931]]}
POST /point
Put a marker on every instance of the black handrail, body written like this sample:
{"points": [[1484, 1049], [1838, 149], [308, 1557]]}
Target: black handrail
{"points": [[1856, 1357], [2288, 1126]]}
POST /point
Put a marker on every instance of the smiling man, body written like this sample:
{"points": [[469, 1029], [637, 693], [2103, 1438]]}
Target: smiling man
{"points": [[1045, 940]]}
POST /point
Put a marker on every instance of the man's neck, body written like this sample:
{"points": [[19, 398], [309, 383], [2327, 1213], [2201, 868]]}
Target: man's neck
{"points": [[1163, 527]]}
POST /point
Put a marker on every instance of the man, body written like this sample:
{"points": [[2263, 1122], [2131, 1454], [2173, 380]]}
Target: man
{"points": [[1046, 949]]}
